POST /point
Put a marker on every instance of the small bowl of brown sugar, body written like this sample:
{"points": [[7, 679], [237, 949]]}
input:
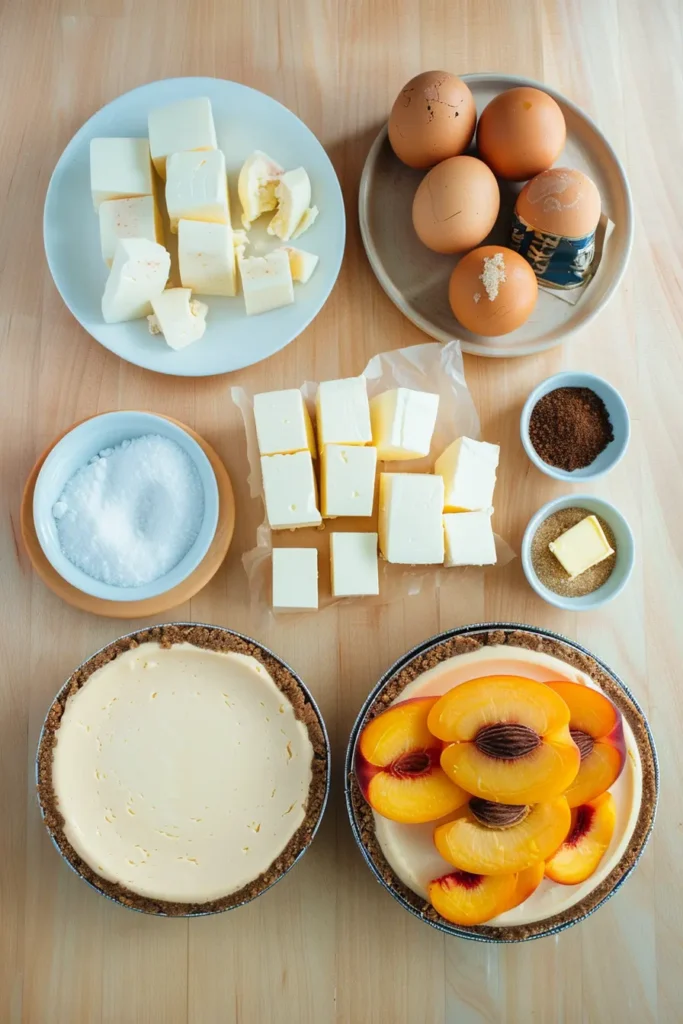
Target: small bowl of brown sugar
{"points": [[575, 426], [578, 552]]}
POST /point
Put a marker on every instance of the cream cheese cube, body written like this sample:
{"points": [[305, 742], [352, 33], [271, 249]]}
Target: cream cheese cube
{"points": [[206, 257], [186, 125], [353, 564], [403, 423], [301, 263], [468, 469], [581, 547], [138, 274], [179, 317], [266, 282], [119, 169], [411, 518], [347, 480], [308, 219], [342, 412], [295, 579], [293, 195], [290, 491], [256, 186], [197, 188], [469, 538], [128, 218], [283, 425]]}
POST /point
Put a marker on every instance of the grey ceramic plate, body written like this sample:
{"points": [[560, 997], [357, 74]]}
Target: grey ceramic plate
{"points": [[416, 279]]}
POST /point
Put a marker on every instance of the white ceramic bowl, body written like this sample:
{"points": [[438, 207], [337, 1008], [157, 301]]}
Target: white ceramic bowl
{"points": [[73, 451], [618, 414], [625, 553]]}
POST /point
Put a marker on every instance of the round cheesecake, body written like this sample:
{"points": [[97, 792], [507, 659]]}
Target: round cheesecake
{"points": [[405, 856], [183, 770]]}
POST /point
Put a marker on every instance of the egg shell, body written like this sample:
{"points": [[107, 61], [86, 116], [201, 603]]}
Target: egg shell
{"points": [[505, 304], [456, 205], [561, 201], [521, 133], [432, 118]]}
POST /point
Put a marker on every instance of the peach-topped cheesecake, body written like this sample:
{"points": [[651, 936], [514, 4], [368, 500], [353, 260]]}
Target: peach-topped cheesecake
{"points": [[502, 783], [182, 770]]}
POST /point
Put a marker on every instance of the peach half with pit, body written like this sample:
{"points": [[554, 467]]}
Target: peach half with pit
{"points": [[398, 766], [508, 739], [591, 833], [597, 729]]}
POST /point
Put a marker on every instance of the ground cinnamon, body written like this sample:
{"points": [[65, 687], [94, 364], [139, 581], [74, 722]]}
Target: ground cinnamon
{"points": [[570, 427]]}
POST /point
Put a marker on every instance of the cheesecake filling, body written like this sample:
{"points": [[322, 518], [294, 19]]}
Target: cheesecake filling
{"points": [[181, 773], [410, 850]]}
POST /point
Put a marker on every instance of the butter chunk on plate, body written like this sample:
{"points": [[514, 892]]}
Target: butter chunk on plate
{"points": [[206, 257], [138, 217], [581, 547], [295, 579], [290, 491], [403, 422], [266, 282], [283, 424], [197, 188], [138, 274], [120, 168], [411, 518], [180, 318], [177, 127]]}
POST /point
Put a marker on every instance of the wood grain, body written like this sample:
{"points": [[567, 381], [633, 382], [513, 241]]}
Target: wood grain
{"points": [[327, 944]]}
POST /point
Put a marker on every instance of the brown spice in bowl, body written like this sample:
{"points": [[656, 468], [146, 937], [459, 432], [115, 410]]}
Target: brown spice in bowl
{"points": [[570, 427], [549, 570]]}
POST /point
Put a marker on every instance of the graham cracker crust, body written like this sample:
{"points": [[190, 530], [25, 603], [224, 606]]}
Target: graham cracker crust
{"points": [[211, 638], [421, 663]]}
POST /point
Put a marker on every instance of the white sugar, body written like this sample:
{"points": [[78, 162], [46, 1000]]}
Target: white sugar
{"points": [[132, 513]]}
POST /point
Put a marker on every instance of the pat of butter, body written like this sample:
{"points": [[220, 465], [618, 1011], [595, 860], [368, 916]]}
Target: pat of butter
{"points": [[353, 564], [283, 425], [266, 282], [293, 195], [347, 480], [581, 547], [206, 257], [469, 538], [295, 579], [128, 218], [343, 412], [290, 491], [179, 317], [403, 423], [468, 469], [197, 188], [182, 126], [119, 169], [410, 518], [138, 274]]}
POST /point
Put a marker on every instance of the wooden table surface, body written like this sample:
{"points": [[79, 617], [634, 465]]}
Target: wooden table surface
{"points": [[328, 944]]}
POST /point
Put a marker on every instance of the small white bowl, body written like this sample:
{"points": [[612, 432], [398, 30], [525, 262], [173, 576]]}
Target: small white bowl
{"points": [[625, 546], [72, 452], [618, 414]]}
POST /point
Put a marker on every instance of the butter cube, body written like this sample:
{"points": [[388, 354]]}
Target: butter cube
{"points": [[403, 423], [295, 579], [347, 480], [293, 195], [119, 169], [182, 126], [283, 425], [353, 563], [410, 518], [138, 274], [342, 412], [469, 538], [197, 188], [581, 547], [301, 263], [266, 282], [179, 317], [468, 469], [290, 491], [206, 257], [128, 218]]}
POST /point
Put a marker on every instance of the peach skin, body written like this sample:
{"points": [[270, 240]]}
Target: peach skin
{"points": [[596, 727], [398, 768], [583, 849], [464, 898], [498, 839]]}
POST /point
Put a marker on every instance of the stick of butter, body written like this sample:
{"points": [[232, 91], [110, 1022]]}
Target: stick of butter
{"points": [[581, 547]]}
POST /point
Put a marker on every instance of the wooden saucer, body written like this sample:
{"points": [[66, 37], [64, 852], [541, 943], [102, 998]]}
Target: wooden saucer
{"points": [[206, 569]]}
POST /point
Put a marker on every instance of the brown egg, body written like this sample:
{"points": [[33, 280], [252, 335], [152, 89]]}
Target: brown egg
{"points": [[456, 205], [433, 118], [492, 291], [521, 133], [560, 201]]}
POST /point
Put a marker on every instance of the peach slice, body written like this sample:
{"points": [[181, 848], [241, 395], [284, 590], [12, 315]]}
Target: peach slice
{"points": [[468, 708], [527, 883], [398, 768], [496, 839], [583, 849], [597, 729], [467, 899]]}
